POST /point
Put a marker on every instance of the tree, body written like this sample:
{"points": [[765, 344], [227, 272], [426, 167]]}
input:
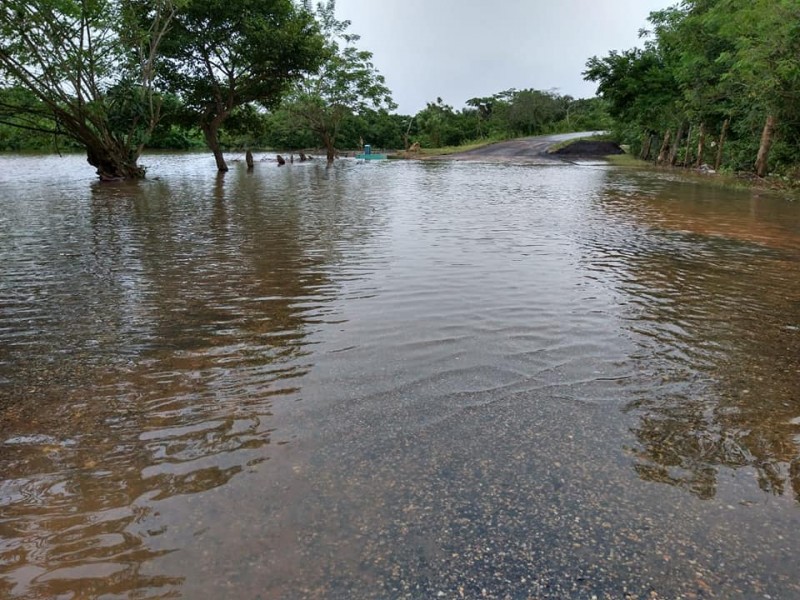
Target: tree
{"points": [[766, 34], [484, 108], [532, 110], [346, 83], [439, 125], [728, 68], [224, 54], [90, 64]]}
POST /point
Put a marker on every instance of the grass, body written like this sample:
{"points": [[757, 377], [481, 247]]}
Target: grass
{"points": [[463, 148], [721, 179], [627, 160], [445, 150]]}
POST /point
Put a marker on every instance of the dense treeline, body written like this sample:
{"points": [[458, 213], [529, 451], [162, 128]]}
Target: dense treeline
{"points": [[505, 115], [717, 83], [113, 77]]}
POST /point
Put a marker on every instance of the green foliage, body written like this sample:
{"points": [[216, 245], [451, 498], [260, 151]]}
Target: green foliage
{"points": [[221, 55], [90, 68], [439, 125], [507, 114], [25, 122], [707, 63], [531, 111], [345, 84], [122, 74]]}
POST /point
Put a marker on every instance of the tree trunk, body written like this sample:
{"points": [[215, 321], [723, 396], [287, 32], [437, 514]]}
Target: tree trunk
{"points": [[663, 153], [211, 133], [330, 147], [701, 145], [113, 164], [648, 141], [723, 134], [673, 153], [687, 160], [767, 137]]}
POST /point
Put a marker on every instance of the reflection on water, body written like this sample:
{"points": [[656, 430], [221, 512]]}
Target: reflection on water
{"points": [[711, 286], [395, 380], [147, 329]]}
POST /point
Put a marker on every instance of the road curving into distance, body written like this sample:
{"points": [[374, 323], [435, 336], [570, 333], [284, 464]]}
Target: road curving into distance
{"points": [[522, 150]]}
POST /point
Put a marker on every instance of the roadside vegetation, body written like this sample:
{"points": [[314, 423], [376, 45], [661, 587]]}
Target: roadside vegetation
{"points": [[717, 83]]}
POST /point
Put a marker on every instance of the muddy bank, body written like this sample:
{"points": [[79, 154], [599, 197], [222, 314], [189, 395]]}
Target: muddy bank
{"points": [[589, 148]]}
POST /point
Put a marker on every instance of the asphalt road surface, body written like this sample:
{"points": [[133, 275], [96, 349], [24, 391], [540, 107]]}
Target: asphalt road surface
{"points": [[527, 150]]}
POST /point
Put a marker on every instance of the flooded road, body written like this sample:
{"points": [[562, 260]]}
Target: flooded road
{"points": [[396, 380]]}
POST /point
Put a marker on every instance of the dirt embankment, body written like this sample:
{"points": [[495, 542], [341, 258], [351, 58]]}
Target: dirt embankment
{"points": [[531, 150], [589, 148]]}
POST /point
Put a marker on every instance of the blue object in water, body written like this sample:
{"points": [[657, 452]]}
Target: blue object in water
{"points": [[368, 155]]}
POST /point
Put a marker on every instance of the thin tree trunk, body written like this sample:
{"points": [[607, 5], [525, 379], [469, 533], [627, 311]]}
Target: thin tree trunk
{"points": [[767, 137], [673, 153], [723, 134], [701, 145], [664, 152], [648, 142], [330, 147], [687, 160], [211, 133]]}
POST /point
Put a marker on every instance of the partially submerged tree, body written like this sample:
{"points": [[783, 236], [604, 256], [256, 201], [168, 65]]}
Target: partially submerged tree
{"points": [[224, 54], [91, 66], [346, 83]]}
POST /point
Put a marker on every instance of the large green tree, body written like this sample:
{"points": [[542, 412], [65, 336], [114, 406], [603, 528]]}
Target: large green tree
{"points": [[346, 83], [90, 65], [221, 55]]}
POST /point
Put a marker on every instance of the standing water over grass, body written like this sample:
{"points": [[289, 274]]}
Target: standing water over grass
{"points": [[396, 380]]}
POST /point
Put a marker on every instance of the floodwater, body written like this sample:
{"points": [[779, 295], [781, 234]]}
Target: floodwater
{"points": [[396, 380]]}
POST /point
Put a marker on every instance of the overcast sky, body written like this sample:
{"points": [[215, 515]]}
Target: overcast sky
{"points": [[460, 49]]}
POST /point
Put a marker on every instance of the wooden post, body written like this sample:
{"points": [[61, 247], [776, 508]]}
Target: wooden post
{"points": [[722, 137], [767, 137]]}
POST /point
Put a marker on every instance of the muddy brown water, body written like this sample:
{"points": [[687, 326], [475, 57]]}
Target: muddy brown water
{"points": [[396, 380]]}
